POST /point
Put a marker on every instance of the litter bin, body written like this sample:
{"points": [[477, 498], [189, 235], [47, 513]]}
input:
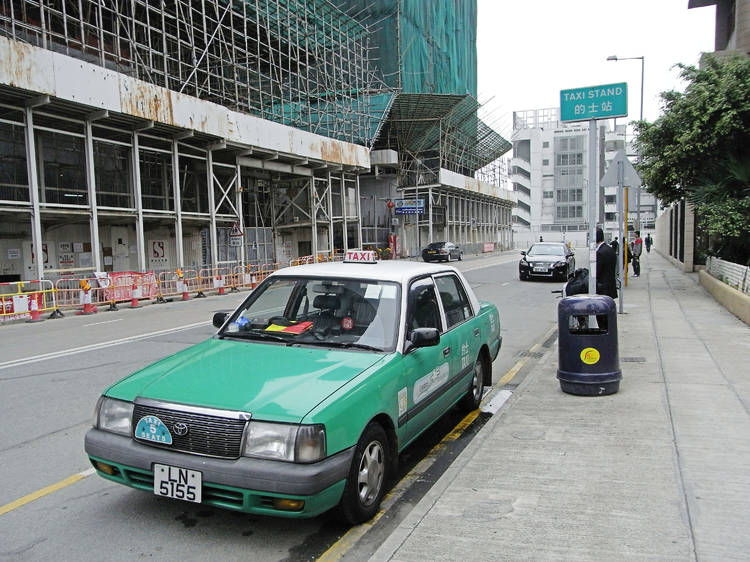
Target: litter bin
{"points": [[589, 363]]}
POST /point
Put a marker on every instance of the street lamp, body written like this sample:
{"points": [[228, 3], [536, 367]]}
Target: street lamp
{"points": [[638, 191]]}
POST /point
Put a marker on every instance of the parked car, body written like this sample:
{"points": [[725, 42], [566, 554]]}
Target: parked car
{"points": [[442, 251], [306, 395], [551, 260]]}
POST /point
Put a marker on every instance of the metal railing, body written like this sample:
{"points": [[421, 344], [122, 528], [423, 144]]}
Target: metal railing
{"points": [[733, 274]]}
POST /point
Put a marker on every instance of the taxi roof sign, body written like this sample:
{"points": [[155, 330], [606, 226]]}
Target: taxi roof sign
{"points": [[360, 256]]}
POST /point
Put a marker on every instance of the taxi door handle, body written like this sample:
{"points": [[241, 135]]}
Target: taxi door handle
{"points": [[476, 332], [446, 351]]}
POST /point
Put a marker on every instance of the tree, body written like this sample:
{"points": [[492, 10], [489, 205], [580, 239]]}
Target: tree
{"points": [[699, 149]]}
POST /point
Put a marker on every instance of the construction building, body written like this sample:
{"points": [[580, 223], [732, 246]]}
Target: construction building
{"points": [[148, 136]]}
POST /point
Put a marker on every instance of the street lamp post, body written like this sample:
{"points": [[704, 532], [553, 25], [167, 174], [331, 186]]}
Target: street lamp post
{"points": [[638, 190]]}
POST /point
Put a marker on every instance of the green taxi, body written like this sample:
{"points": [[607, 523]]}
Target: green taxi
{"points": [[308, 392]]}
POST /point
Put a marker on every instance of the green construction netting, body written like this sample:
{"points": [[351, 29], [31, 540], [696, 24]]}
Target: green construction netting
{"points": [[422, 46]]}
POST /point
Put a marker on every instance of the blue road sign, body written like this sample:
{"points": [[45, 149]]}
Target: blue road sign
{"points": [[594, 102], [409, 206]]}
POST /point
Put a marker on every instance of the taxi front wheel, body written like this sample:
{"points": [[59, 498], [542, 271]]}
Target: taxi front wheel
{"points": [[473, 397], [365, 484]]}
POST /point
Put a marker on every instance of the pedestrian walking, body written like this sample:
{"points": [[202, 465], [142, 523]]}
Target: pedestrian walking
{"points": [[606, 274], [637, 253], [615, 246], [648, 242], [627, 254]]}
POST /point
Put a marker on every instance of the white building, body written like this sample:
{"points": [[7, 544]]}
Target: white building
{"points": [[550, 171]]}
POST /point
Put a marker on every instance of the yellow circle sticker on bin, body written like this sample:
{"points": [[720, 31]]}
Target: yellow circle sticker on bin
{"points": [[590, 356]]}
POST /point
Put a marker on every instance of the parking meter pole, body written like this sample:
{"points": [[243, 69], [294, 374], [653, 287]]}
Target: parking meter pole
{"points": [[593, 207]]}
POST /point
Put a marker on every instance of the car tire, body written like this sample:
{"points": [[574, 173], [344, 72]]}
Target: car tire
{"points": [[365, 485], [460, 256], [473, 397]]}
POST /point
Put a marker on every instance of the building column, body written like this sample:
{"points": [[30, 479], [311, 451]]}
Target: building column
{"points": [[91, 183], [313, 194], [137, 193], [177, 203], [238, 207], [31, 170], [211, 209]]}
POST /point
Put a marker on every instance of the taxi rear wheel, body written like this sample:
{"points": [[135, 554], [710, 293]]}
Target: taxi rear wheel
{"points": [[365, 484], [473, 397]]}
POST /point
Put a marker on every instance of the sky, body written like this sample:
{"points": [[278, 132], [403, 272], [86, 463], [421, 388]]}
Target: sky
{"points": [[529, 50]]}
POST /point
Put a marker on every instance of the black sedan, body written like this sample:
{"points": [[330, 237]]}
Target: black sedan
{"points": [[439, 251], [550, 260]]}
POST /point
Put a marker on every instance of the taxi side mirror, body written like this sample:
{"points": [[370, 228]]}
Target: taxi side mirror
{"points": [[424, 337], [219, 318], [523, 252]]}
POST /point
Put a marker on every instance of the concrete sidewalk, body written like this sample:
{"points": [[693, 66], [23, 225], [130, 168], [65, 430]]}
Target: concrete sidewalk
{"points": [[660, 470]]}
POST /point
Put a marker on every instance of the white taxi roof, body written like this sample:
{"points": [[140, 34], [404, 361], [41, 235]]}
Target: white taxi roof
{"points": [[400, 271]]}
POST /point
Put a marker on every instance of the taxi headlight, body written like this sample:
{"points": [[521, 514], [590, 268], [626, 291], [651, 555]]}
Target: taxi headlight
{"points": [[285, 442], [560, 263], [114, 415]]}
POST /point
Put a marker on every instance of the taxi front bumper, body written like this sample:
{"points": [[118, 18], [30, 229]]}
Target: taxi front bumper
{"points": [[134, 462]]}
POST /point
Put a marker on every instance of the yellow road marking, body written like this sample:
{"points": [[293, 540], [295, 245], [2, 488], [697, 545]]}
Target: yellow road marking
{"points": [[460, 427], [512, 372], [45, 491]]}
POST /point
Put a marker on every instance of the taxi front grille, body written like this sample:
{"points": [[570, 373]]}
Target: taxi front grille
{"points": [[209, 435]]}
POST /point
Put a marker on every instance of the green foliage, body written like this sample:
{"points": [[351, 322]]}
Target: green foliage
{"points": [[708, 123], [699, 149]]}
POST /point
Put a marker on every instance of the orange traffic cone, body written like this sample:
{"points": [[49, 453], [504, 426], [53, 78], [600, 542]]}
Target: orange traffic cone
{"points": [[88, 308], [183, 286], [220, 282], [134, 294], [36, 315], [85, 299]]}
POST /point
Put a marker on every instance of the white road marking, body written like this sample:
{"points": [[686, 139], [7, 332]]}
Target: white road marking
{"points": [[105, 322], [496, 402], [92, 347]]}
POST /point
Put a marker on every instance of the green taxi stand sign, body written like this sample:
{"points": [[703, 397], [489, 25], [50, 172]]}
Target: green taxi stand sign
{"points": [[594, 102]]}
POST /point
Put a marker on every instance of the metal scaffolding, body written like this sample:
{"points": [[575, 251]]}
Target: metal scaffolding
{"points": [[303, 63]]}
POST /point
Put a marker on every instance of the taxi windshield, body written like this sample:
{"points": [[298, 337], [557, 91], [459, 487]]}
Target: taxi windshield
{"points": [[349, 313]]}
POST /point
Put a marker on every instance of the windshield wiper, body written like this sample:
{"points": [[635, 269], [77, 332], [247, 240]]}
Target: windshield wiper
{"points": [[255, 335], [347, 345]]}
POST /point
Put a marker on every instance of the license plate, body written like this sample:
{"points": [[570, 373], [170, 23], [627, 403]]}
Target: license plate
{"points": [[177, 483], [540, 269]]}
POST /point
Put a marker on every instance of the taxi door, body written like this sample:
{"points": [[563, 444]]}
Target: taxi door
{"points": [[427, 370], [461, 333]]}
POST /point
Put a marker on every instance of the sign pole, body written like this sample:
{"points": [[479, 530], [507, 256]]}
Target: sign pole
{"points": [[620, 192], [592, 199]]}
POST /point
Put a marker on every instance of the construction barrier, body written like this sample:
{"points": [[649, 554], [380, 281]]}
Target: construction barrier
{"points": [[27, 300], [85, 295]]}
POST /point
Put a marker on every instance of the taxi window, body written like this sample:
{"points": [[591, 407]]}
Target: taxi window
{"points": [[454, 299], [423, 310]]}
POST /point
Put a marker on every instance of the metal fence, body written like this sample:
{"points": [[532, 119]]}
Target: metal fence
{"points": [[733, 274]]}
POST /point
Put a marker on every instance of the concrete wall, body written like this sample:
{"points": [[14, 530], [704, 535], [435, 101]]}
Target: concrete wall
{"points": [[733, 300], [670, 240]]}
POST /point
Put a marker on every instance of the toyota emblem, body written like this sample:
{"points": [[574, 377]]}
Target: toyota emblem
{"points": [[180, 428]]}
